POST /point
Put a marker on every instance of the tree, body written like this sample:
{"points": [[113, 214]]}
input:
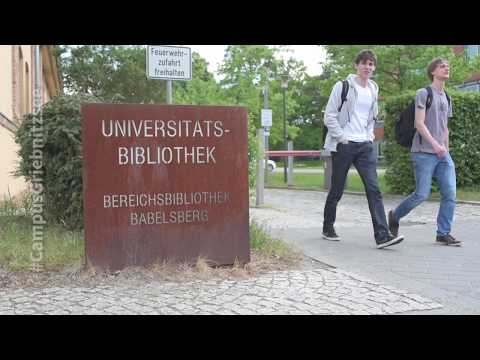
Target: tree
{"points": [[202, 89], [400, 67], [110, 72], [309, 116], [246, 69]]}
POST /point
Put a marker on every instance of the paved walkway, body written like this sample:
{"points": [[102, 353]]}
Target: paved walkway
{"points": [[320, 291], [447, 275]]}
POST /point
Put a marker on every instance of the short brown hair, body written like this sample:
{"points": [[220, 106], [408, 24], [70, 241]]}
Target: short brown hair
{"points": [[433, 65], [365, 55]]}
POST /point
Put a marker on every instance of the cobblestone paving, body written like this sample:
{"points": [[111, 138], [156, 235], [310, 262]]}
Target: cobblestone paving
{"points": [[318, 291]]}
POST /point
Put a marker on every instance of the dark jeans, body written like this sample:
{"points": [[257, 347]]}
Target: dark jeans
{"points": [[362, 156]]}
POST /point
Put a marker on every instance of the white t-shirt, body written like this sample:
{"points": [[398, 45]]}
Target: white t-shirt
{"points": [[356, 128]]}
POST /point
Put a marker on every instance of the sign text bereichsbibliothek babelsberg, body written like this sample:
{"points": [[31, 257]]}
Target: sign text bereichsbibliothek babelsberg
{"points": [[164, 183]]}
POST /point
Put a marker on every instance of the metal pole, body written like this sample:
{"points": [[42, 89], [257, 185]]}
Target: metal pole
{"points": [[38, 80], [265, 106], [169, 91], [290, 165], [284, 134], [260, 170]]}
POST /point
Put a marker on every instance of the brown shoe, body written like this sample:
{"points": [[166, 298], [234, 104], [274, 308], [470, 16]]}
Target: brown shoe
{"points": [[448, 240]]}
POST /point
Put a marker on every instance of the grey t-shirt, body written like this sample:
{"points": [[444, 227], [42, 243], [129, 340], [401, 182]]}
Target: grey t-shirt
{"points": [[436, 119]]}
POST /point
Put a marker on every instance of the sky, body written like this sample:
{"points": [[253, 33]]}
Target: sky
{"points": [[311, 55]]}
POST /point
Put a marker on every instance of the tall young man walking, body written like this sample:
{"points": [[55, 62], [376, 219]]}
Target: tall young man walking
{"points": [[430, 155], [350, 138]]}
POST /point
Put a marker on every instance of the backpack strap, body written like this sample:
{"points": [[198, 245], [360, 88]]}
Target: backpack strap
{"points": [[429, 98], [427, 106], [448, 99], [345, 87]]}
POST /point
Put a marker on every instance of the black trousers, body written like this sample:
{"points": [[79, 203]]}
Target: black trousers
{"points": [[362, 156]]}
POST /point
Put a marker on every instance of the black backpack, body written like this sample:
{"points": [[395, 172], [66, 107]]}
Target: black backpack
{"points": [[345, 88], [405, 126]]}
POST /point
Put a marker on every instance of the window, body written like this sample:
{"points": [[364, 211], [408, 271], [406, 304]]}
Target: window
{"points": [[21, 83], [472, 51], [27, 90], [469, 87], [24, 87]]}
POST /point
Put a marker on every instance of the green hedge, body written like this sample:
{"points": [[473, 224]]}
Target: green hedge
{"points": [[61, 155], [464, 142], [252, 150]]}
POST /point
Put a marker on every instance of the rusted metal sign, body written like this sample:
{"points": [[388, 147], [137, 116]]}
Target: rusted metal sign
{"points": [[164, 182]]}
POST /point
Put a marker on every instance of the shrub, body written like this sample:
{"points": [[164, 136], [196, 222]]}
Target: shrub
{"points": [[464, 142], [61, 166], [252, 151]]}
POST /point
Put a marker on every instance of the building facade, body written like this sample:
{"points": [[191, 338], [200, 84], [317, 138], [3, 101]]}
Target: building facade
{"points": [[17, 86], [470, 51]]}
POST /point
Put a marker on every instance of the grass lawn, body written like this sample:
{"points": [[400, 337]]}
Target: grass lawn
{"points": [[468, 194], [308, 163], [315, 181], [60, 247], [314, 163]]}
